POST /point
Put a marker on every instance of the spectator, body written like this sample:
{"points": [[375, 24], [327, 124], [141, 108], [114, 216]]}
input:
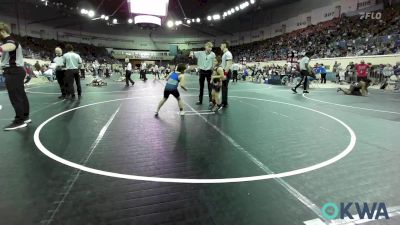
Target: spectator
{"points": [[37, 66], [362, 71], [322, 71], [350, 72]]}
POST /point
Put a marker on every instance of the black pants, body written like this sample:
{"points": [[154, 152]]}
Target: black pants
{"points": [[225, 84], [304, 79], [100, 72], [323, 78], [203, 75], [70, 76], [156, 74], [60, 75], [143, 74], [128, 79], [235, 76], [83, 73], [78, 83], [28, 78], [16, 92]]}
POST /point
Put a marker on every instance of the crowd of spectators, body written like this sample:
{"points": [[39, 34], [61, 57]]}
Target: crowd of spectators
{"points": [[345, 36], [40, 49]]}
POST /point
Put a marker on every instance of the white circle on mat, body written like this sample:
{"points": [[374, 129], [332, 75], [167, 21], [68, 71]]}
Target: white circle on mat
{"points": [[328, 162]]}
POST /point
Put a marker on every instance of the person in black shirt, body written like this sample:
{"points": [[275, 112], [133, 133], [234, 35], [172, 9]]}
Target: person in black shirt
{"points": [[12, 63]]}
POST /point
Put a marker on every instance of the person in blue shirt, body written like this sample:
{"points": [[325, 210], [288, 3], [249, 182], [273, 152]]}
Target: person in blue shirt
{"points": [[245, 73], [322, 70], [175, 79]]}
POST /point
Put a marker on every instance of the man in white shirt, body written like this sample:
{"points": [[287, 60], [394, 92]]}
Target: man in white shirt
{"points": [[205, 62], [128, 73], [226, 65], [143, 71], [305, 71], [73, 63], [60, 72], [235, 69], [96, 66], [156, 71]]}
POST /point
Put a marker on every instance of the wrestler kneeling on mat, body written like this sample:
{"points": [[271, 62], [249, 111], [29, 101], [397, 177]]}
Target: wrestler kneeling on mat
{"points": [[359, 89], [216, 84], [175, 79]]}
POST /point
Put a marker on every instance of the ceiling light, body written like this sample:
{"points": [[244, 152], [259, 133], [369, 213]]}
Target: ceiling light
{"points": [[115, 21], [216, 17], [84, 11], [198, 20], [103, 16], [106, 18], [188, 21], [130, 21], [176, 23], [237, 8], [209, 18], [225, 14], [252, 1], [170, 23], [91, 13], [193, 20], [244, 5], [232, 10], [147, 19], [149, 7]]}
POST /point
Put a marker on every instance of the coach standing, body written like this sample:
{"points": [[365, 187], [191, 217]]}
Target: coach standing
{"points": [[73, 63], [226, 65], [12, 62], [60, 63], [205, 63]]}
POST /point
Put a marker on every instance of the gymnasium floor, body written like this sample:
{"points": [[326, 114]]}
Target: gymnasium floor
{"points": [[336, 149]]}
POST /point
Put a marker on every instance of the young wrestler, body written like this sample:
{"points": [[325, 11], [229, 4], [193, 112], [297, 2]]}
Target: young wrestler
{"points": [[359, 89], [175, 79], [216, 84]]}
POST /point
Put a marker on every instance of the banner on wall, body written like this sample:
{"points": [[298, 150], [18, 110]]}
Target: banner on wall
{"points": [[362, 4], [323, 14], [348, 5], [302, 20]]}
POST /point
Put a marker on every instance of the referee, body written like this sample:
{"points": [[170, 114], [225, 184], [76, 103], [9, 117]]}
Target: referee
{"points": [[305, 71], [12, 63], [226, 65], [73, 63], [205, 62], [128, 73]]}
